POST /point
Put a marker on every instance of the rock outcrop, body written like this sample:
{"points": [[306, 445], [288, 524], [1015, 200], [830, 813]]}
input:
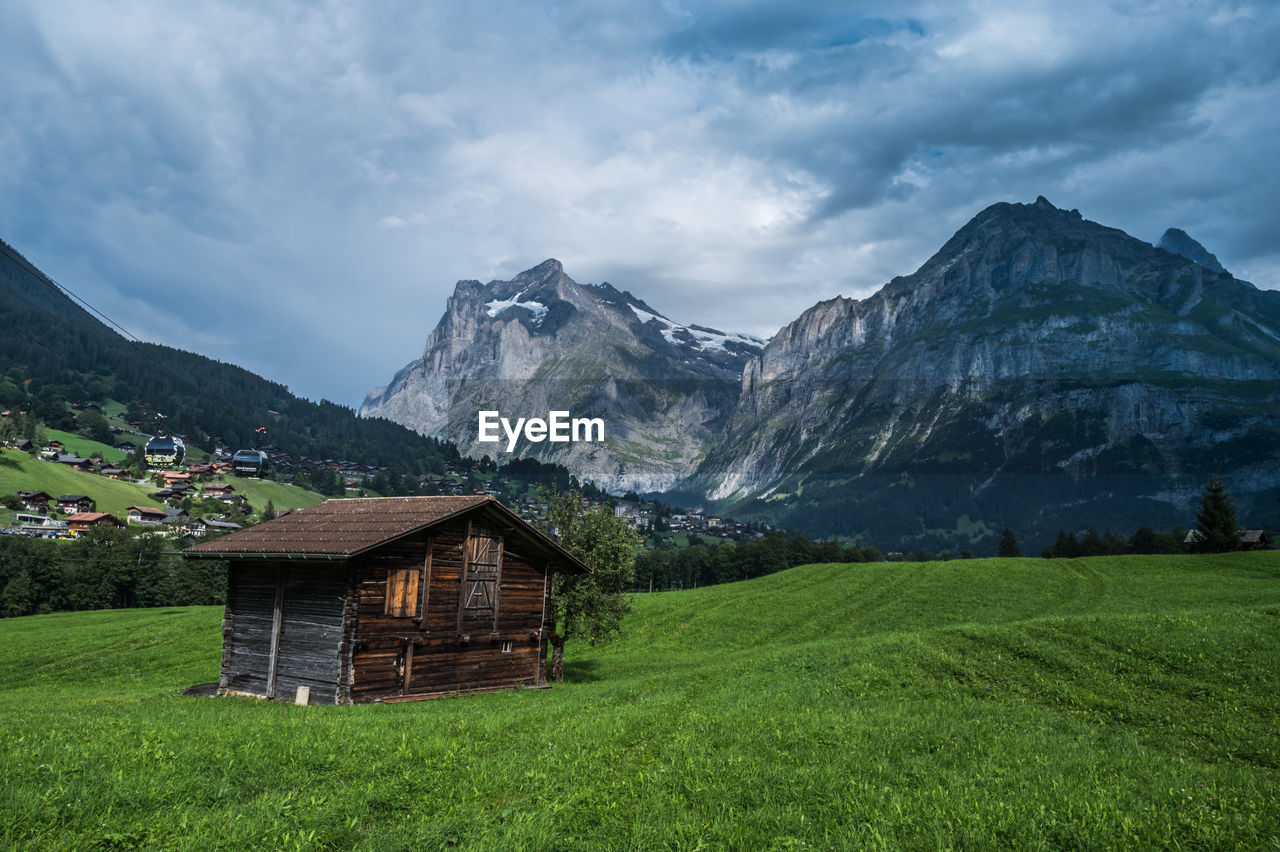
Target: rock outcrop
{"points": [[543, 342], [1040, 370], [1180, 243]]}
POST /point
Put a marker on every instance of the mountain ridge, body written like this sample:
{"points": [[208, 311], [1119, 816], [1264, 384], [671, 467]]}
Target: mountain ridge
{"points": [[1028, 315], [540, 342]]}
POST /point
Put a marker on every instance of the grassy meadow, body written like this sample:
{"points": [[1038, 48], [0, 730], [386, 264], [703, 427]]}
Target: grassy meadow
{"points": [[1122, 702], [81, 446], [19, 471]]}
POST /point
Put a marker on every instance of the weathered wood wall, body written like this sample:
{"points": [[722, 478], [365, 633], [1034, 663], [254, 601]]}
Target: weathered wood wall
{"points": [[440, 647], [247, 626], [283, 629]]}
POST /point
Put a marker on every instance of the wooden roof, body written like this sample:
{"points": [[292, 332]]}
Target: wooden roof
{"points": [[91, 518], [346, 528]]}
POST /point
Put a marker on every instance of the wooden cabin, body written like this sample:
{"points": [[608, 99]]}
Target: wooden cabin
{"points": [[386, 599]]}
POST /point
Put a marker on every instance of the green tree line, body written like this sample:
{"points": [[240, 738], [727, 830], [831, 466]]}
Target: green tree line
{"points": [[103, 569], [705, 565]]}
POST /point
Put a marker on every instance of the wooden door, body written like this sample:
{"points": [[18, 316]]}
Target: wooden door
{"points": [[482, 575]]}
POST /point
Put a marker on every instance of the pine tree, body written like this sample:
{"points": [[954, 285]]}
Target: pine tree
{"points": [[1216, 520], [1009, 543]]}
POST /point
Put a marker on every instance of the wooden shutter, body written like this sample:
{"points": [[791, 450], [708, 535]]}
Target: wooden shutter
{"points": [[402, 592]]}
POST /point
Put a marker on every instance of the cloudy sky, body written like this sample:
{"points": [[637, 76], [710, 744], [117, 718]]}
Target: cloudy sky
{"points": [[296, 187]]}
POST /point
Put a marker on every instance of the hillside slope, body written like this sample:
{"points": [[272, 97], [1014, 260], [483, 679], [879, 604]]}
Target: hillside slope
{"points": [[1040, 371], [20, 472], [47, 338], [1100, 703]]}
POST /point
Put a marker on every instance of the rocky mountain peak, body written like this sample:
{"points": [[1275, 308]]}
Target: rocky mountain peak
{"points": [[1033, 342], [1181, 243], [550, 266], [548, 274], [542, 341]]}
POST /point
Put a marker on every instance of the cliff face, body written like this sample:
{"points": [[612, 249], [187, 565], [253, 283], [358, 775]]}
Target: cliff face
{"points": [[543, 342], [1038, 367], [1040, 371]]}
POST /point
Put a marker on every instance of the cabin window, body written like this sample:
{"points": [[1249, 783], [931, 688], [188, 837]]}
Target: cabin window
{"points": [[480, 585], [506, 647], [402, 592]]}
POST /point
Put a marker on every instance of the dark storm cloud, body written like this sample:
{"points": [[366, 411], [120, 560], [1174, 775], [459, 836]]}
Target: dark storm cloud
{"points": [[870, 104], [338, 166]]}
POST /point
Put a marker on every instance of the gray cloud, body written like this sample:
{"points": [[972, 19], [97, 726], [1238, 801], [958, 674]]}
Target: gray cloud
{"points": [[339, 166]]}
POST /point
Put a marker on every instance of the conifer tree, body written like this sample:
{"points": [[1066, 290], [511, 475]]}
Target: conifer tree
{"points": [[1216, 520], [1009, 543]]}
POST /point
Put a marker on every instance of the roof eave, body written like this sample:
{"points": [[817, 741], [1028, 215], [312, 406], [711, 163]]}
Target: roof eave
{"points": [[575, 565], [235, 554]]}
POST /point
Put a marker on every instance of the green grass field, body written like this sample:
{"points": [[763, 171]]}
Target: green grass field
{"points": [[1031, 704], [85, 448], [259, 491], [18, 471]]}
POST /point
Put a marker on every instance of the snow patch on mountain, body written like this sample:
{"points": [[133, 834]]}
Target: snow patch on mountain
{"points": [[497, 306], [699, 337]]}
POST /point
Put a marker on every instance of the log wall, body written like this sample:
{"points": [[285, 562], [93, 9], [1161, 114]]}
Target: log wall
{"points": [[440, 647], [283, 628]]}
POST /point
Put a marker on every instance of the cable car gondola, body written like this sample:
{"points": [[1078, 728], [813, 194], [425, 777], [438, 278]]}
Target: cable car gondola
{"points": [[249, 463], [163, 451]]}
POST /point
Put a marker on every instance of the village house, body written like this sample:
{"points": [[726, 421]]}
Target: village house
{"points": [[115, 473], [176, 522], [85, 521], [146, 515], [1254, 539], [172, 495], [76, 503], [74, 461], [386, 599], [211, 489], [34, 501], [201, 527]]}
